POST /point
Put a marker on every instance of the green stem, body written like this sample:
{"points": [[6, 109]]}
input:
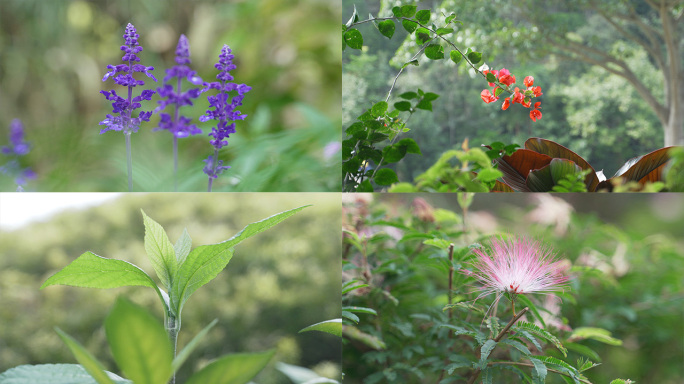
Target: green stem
{"points": [[172, 328], [129, 160], [175, 164]]}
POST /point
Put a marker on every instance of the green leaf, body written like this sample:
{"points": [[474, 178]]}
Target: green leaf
{"points": [[379, 109], [517, 345], [353, 308], [528, 303], [139, 343], [422, 36], [439, 243], [392, 154], [387, 27], [303, 375], [350, 316], [412, 62], [386, 176], [187, 350], [449, 18], [92, 271], [53, 374], [543, 334], [498, 91], [402, 188], [365, 186], [539, 369], [349, 286], [489, 174], [491, 77], [353, 39], [486, 349], [237, 368], [423, 16], [409, 95], [444, 31], [160, 251], [182, 247], [434, 52], [475, 57], [403, 106], [455, 56], [546, 177], [396, 11], [88, 361], [409, 25], [410, 145], [583, 350], [333, 327], [408, 10], [205, 262], [598, 334]]}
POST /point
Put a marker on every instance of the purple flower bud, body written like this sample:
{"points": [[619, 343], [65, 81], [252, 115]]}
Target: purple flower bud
{"points": [[123, 75]]}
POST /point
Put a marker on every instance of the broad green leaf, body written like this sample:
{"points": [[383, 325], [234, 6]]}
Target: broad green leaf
{"points": [[354, 308], [475, 57], [205, 262], [439, 243], [92, 271], [187, 350], [139, 343], [396, 11], [387, 27], [237, 368], [333, 327], [88, 361], [423, 16], [410, 145], [379, 109], [160, 251], [350, 316], [409, 95], [444, 31], [455, 56], [434, 52], [53, 374], [403, 106], [409, 25], [392, 154], [386, 176], [182, 247], [408, 10], [365, 186], [545, 178], [554, 150], [489, 174], [422, 36], [491, 77], [353, 38]]}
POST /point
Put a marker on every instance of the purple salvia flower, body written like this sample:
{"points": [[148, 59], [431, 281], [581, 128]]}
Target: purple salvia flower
{"points": [[178, 125], [223, 111], [123, 75], [517, 267], [17, 147]]}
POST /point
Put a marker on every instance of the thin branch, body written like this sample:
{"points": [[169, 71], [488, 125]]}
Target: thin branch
{"points": [[498, 338]]}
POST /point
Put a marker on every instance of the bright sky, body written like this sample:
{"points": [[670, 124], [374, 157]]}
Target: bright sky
{"points": [[19, 208]]}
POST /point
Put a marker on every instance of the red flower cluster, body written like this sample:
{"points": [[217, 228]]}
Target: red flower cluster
{"points": [[523, 97]]}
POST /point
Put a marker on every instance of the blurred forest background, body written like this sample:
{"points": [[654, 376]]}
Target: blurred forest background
{"points": [[55, 53], [278, 282], [626, 277], [601, 115]]}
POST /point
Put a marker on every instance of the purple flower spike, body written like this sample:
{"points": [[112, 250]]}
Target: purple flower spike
{"points": [[179, 125], [17, 147], [123, 75], [223, 111]]}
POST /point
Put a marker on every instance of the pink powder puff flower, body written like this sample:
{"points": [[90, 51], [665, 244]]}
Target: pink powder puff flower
{"points": [[517, 267]]}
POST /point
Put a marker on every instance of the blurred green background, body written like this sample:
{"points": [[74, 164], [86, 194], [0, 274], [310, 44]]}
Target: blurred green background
{"points": [[55, 53], [278, 281], [627, 277]]}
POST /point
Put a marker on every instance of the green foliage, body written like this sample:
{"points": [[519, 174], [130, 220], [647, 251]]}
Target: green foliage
{"points": [[238, 368], [396, 257], [54, 374], [333, 327]]}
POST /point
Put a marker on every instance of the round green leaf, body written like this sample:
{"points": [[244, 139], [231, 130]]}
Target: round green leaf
{"points": [[474, 57], [379, 109], [422, 36], [455, 56], [403, 106], [423, 16], [386, 176], [387, 27], [408, 10], [409, 25], [353, 38], [434, 52]]}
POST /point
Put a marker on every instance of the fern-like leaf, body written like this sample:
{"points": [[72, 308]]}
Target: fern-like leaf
{"points": [[544, 334]]}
